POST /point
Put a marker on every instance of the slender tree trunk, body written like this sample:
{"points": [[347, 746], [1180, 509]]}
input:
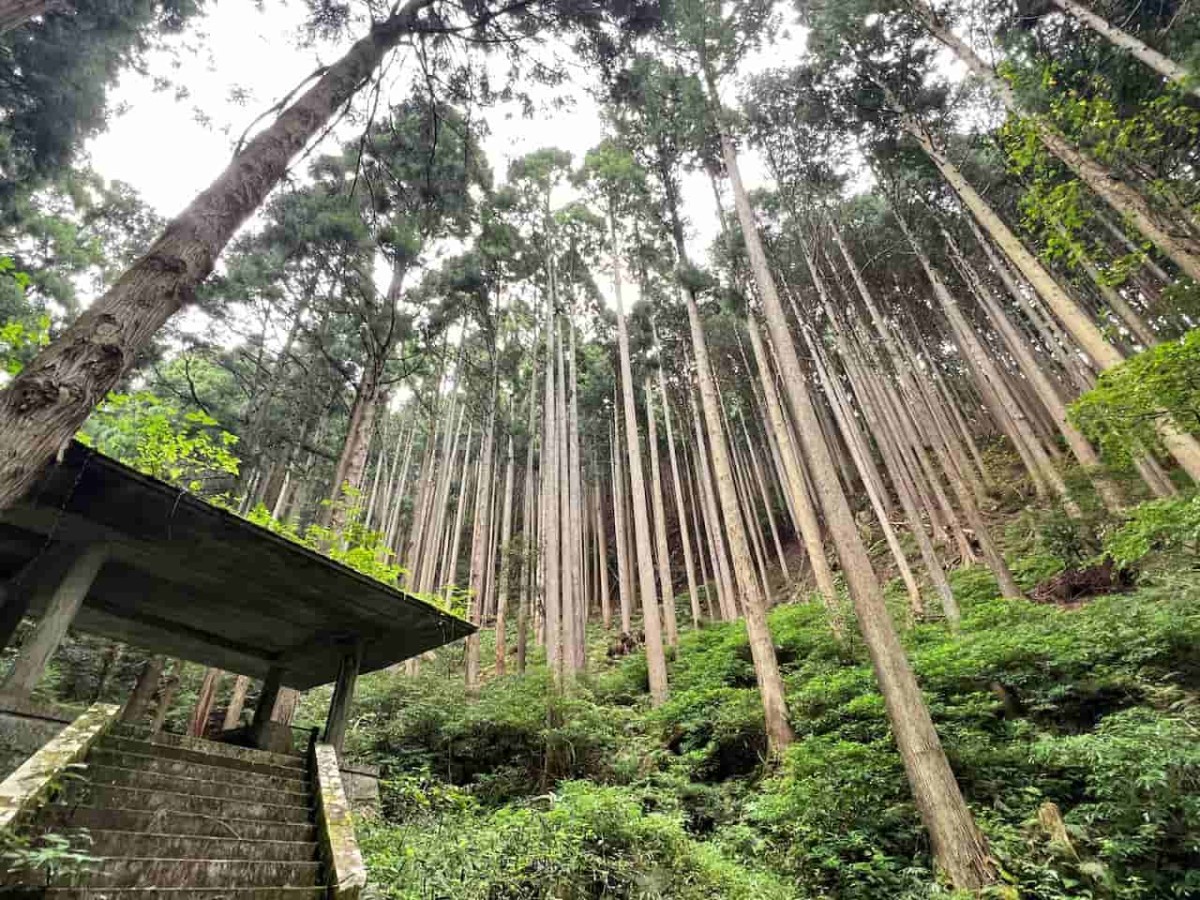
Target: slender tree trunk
{"points": [[1123, 40], [620, 510], [753, 603], [507, 565], [569, 546], [684, 538], [453, 542], [656, 661], [861, 453], [660, 521], [806, 513], [764, 492], [481, 531], [1181, 248], [702, 544], [530, 503], [715, 527], [578, 581], [1046, 392], [602, 557], [550, 531], [1181, 445], [958, 845]]}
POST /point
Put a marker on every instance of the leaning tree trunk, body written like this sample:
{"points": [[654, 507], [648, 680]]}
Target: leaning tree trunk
{"points": [[1123, 40], [47, 403], [958, 845], [1124, 199], [726, 599], [806, 516], [1079, 324], [1049, 397], [143, 690]]}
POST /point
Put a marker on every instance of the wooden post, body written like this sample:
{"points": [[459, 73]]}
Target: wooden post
{"points": [[267, 697], [343, 696], [60, 613]]}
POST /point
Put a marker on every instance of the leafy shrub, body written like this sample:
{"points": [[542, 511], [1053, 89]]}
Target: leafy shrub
{"points": [[1141, 813], [1121, 413], [520, 737], [1169, 527], [840, 820], [581, 842]]}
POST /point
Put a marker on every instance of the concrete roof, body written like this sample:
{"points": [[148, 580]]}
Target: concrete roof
{"points": [[196, 582]]}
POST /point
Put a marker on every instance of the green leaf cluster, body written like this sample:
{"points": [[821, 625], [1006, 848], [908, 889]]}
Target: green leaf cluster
{"points": [[154, 435], [1123, 412]]}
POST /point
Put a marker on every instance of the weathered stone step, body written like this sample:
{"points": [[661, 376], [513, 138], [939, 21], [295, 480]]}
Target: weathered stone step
{"points": [[154, 893], [119, 797], [190, 873], [199, 787], [248, 763], [293, 780], [215, 748], [192, 846], [59, 816]]}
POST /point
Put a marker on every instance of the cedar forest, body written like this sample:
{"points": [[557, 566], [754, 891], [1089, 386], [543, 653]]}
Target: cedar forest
{"points": [[852, 554]]}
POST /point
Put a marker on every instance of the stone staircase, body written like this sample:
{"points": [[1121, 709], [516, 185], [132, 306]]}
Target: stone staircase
{"points": [[177, 817]]}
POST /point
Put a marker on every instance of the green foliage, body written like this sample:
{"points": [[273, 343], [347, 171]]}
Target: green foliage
{"points": [[54, 854], [1121, 413], [352, 543], [841, 820], [23, 330], [579, 842], [1140, 770], [1170, 527], [520, 737], [153, 435]]}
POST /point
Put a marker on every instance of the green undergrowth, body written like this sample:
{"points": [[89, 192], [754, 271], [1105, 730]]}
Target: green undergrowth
{"points": [[587, 792]]}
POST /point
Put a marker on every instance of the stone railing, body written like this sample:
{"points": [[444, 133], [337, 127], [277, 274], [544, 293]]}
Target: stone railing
{"points": [[28, 786], [339, 848]]}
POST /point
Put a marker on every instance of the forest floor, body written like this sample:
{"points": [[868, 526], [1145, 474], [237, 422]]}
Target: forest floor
{"points": [[1073, 727]]}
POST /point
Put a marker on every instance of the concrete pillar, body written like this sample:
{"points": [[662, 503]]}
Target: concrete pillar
{"points": [[267, 697], [38, 578], [343, 696], [60, 613]]}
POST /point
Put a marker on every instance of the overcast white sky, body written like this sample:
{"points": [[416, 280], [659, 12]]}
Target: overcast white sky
{"points": [[251, 57]]}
